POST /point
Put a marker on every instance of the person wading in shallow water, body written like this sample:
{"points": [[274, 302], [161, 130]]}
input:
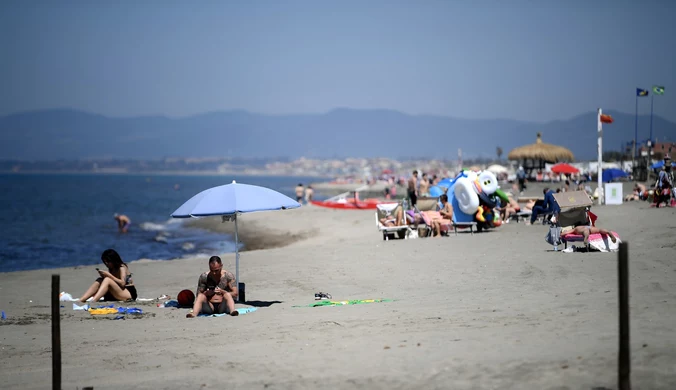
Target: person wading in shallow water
{"points": [[123, 222], [300, 192]]}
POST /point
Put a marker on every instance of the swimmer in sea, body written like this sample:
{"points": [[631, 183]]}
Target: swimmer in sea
{"points": [[123, 222]]}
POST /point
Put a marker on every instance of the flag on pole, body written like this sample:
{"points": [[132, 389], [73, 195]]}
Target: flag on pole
{"points": [[658, 90], [641, 92], [605, 118]]}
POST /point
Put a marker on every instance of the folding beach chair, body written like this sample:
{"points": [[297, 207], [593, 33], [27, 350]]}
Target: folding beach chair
{"points": [[386, 210], [429, 204]]}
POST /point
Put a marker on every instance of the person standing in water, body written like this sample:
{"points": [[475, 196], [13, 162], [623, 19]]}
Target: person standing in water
{"points": [[300, 192], [309, 193], [123, 222]]}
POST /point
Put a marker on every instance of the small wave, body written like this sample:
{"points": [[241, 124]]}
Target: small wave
{"points": [[161, 238], [188, 246], [153, 227]]}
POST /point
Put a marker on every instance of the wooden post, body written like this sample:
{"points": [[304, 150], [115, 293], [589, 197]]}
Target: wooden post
{"points": [[624, 362], [56, 335]]}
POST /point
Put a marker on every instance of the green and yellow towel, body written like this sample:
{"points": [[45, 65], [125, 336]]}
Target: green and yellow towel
{"points": [[327, 302]]}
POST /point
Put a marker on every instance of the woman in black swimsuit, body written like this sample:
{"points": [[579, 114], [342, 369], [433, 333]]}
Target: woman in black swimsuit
{"points": [[114, 284]]}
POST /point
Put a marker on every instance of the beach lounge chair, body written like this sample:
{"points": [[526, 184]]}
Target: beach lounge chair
{"points": [[386, 210], [471, 225], [429, 204], [521, 215], [575, 211]]}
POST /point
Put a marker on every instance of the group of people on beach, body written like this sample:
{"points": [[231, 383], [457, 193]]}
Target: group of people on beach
{"points": [[303, 193], [216, 289], [440, 219], [662, 193]]}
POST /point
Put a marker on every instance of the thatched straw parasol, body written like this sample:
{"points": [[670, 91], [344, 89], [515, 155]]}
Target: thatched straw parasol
{"points": [[539, 153]]}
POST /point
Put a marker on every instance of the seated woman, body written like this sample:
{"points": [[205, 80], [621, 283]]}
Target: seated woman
{"points": [[114, 284]]}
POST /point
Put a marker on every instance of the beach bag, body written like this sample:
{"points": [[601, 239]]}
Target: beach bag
{"points": [[553, 236]]}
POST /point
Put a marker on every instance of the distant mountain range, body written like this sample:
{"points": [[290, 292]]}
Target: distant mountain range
{"points": [[72, 134]]}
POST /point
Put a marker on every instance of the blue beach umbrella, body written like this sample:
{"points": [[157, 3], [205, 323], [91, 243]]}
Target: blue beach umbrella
{"points": [[436, 191], [658, 165], [446, 183], [612, 174], [231, 200]]}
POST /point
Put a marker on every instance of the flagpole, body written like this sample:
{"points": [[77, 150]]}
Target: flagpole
{"points": [[633, 158], [650, 154], [599, 171], [652, 100]]}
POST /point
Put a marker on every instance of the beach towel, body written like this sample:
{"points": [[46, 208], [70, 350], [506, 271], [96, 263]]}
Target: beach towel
{"points": [[596, 241], [113, 310], [341, 303], [241, 311], [66, 297]]}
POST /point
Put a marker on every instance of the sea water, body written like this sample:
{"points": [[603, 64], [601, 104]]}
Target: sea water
{"points": [[60, 220]]}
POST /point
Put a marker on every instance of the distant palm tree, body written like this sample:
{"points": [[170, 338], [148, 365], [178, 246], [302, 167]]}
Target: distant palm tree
{"points": [[498, 151]]}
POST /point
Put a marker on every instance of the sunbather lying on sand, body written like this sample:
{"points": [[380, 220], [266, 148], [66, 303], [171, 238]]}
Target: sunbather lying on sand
{"points": [[639, 193], [394, 220], [514, 207], [586, 231]]}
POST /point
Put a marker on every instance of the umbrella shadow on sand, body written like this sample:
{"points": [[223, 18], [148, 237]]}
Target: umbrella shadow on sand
{"points": [[261, 303]]}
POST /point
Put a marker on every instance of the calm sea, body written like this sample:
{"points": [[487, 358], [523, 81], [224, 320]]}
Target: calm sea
{"points": [[53, 221]]}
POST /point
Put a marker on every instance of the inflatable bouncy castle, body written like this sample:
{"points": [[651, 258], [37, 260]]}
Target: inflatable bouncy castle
{"points": [[474, 196]]}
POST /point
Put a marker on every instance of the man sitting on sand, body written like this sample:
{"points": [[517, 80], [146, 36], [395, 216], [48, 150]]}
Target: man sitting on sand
{"points": [[216, 291], [123, 222]]}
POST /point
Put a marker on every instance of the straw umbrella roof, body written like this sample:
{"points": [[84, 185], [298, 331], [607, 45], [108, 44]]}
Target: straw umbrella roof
{"points": [[541, 151]]}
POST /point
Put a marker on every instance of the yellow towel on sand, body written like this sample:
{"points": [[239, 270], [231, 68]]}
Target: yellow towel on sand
{"points": [[103, 311]]}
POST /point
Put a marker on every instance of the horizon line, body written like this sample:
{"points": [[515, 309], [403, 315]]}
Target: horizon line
{"points": [[235, 110]]}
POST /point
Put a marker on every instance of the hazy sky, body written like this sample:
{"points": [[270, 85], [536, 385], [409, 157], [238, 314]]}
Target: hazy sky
{"points": [[530, 60]]}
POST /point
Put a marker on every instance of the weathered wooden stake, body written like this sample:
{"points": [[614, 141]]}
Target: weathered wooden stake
{"points": [[56, 335], [624, 362]]}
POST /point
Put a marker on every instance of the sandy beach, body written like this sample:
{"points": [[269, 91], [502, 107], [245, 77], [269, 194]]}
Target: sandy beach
{"points": [[496, 310]]}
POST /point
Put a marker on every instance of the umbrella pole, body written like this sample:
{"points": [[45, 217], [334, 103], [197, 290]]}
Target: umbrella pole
{"points": [[236, 256], [599, 167]]}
